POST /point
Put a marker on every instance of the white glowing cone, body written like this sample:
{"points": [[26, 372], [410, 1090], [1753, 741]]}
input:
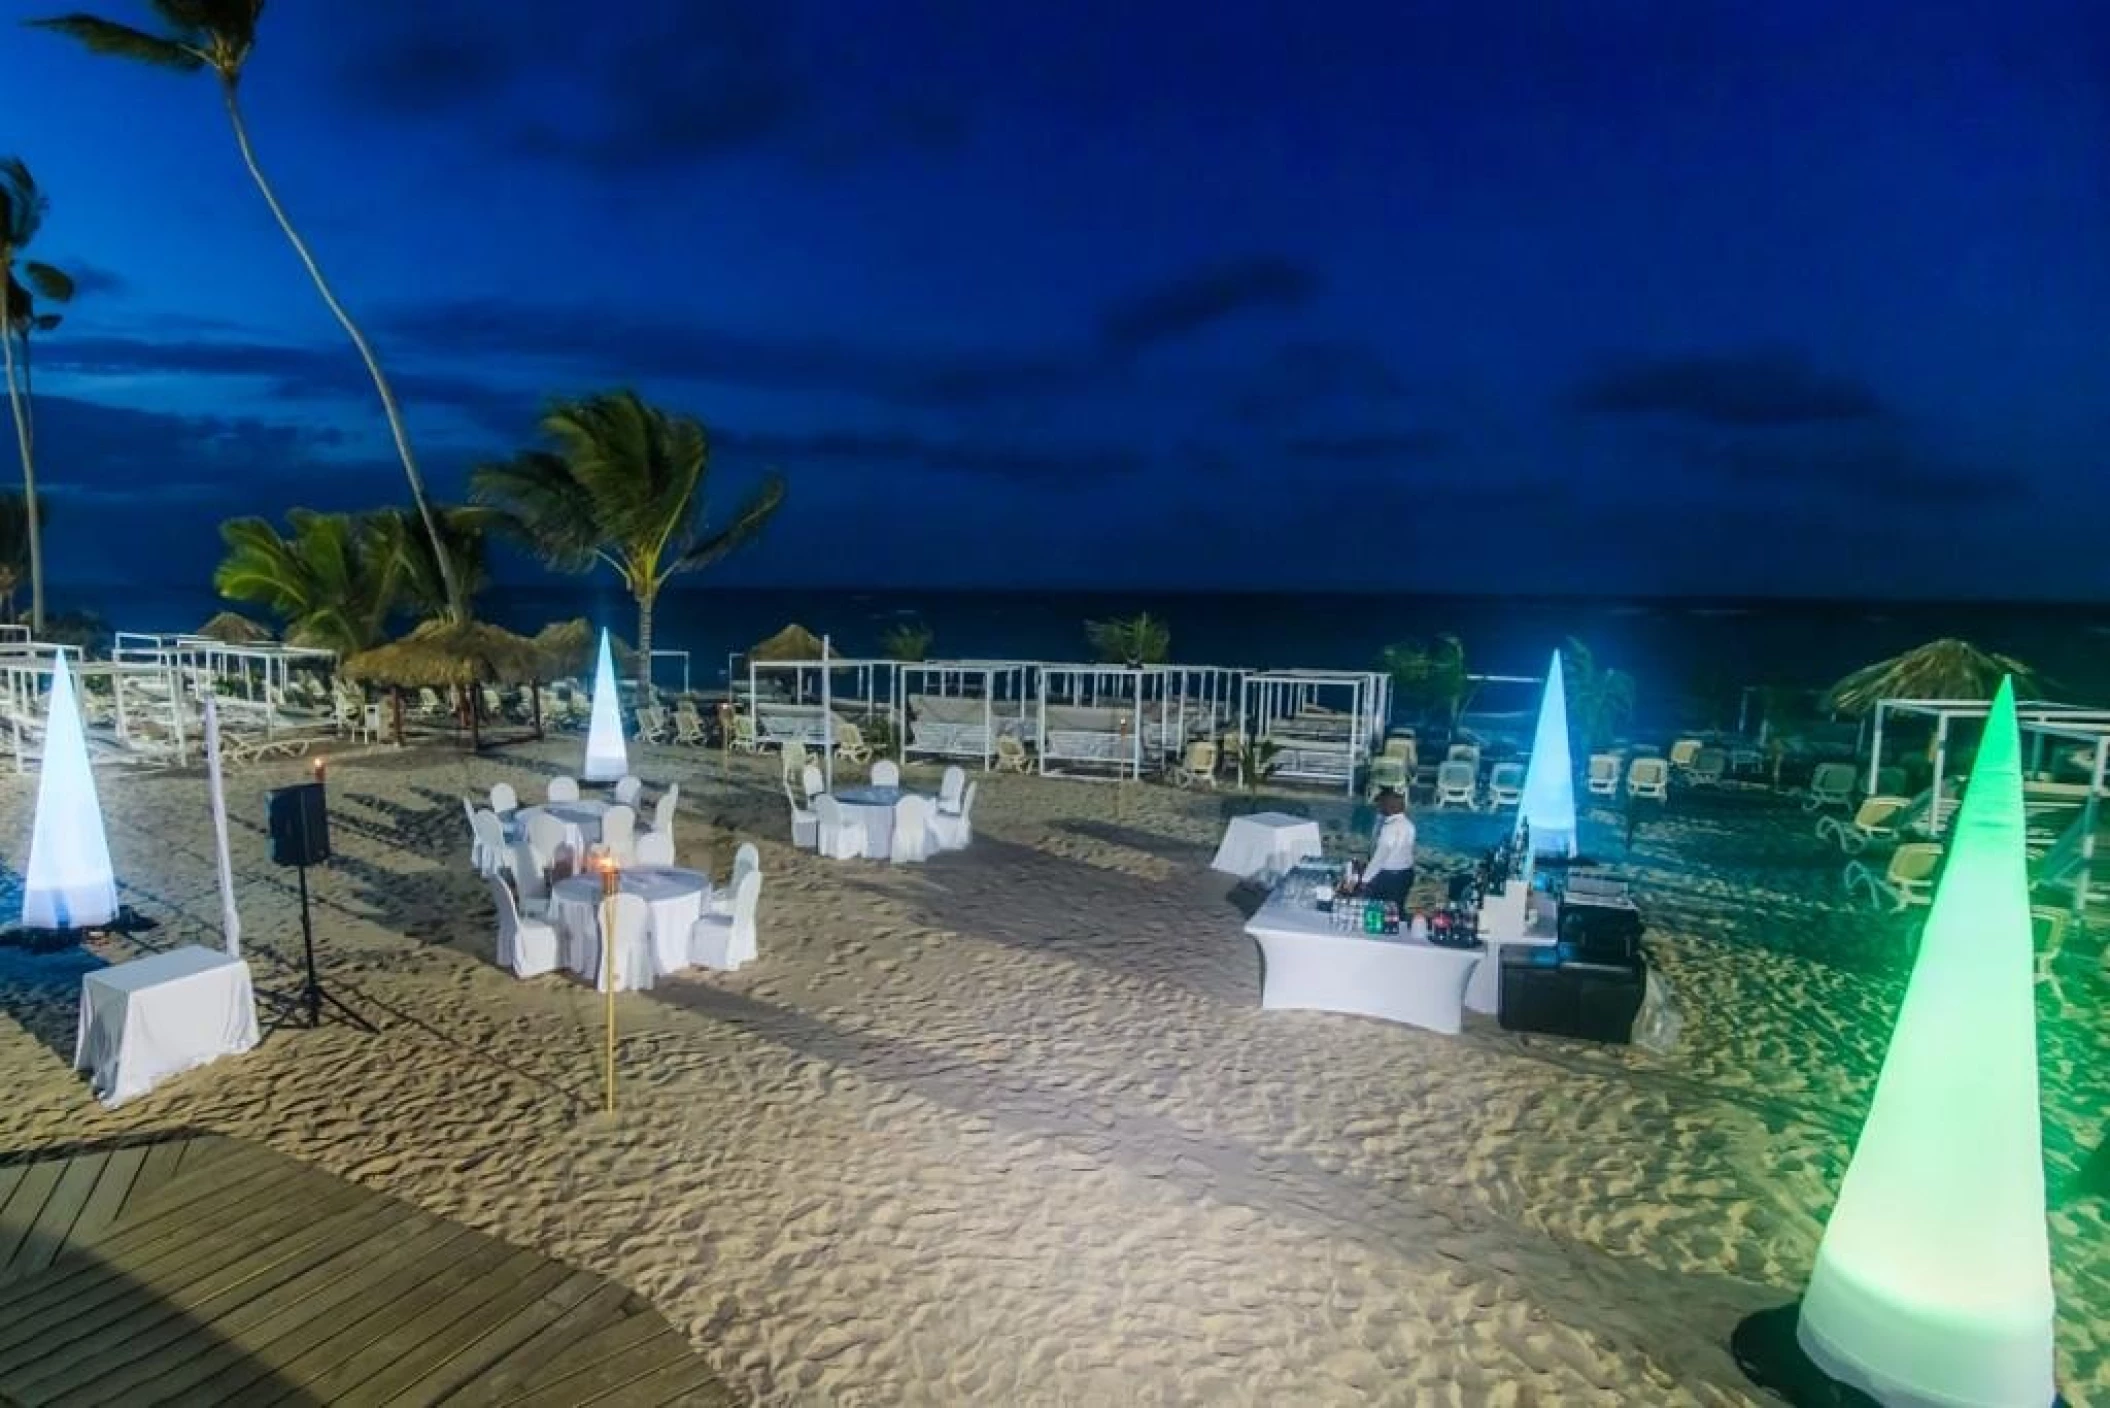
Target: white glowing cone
{"points": [[606, 758], [1932, 1285], [1548, 804], [69, 883]]}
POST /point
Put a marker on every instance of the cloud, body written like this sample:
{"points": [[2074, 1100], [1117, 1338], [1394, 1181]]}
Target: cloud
{"points": [[900, 450], [1749, 389], [1317, 379], [1885, 470], [1372, 447], [1189, 304]]}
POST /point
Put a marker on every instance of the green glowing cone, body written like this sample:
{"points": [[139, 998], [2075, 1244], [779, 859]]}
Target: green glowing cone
{"points": [[1933, 1282]]}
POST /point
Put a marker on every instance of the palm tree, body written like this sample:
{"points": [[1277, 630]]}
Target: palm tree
{"points": [[421, 584], [624, 486], [14, 547], [22, 208], [1432, 678], [1940, 669], [1599, 699], [907, 642], [1132, 640], [219, 35], [333, 581]]}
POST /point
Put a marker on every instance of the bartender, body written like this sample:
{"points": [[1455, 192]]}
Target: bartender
{"points": [[1390, 874]]}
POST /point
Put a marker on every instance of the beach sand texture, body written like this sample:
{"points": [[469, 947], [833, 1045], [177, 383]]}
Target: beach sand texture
{"points": [[1012, 1128]]}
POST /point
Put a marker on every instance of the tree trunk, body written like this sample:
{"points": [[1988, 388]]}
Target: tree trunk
{"points": [[389, 407], [29, 469], [644, 645]]}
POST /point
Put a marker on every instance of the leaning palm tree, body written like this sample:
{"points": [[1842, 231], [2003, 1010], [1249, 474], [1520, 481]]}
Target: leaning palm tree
{"points": [[22, 208], [333, 581], [1940, 669], [220, 35], [422, 584], [1600, 699], [625, 487]]}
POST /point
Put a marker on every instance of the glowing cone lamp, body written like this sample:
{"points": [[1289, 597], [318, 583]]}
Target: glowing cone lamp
{"points": [[69, 883], [606, 759], [1932, 1284], [1548, 805]]}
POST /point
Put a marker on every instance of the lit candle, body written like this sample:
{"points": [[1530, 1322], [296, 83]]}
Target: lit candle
{"points": [[321, 768]]}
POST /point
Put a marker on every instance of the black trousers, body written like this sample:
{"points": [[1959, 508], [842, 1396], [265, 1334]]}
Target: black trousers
{"points": [[1391, 886]]}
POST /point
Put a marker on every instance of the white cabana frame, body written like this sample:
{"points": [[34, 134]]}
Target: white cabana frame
{"points": [[786, 718], [1092, 718], [959, 708], [681, 655], [1315, 743], [143, 719]]}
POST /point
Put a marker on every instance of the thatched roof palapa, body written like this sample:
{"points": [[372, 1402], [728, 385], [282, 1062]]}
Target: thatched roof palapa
{"points": [[440, 653], [570, 648], [794, 642], [233, 628], [1940, 669]]}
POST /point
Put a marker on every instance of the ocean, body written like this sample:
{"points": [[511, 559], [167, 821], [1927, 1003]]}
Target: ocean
{"points": [[1687, 656]]}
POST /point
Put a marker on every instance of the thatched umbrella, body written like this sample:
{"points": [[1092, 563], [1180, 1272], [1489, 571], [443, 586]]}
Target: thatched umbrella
{"points": [[233, 628], [568, 650], [450, 655], [1940, 669], [794, 642]]}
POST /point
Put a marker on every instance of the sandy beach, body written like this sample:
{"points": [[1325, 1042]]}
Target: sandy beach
{"points": [[1012, 1128]]}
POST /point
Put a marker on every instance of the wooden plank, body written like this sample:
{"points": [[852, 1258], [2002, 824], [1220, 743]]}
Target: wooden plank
{"points": [[10, 1175], [521, 1369], [101, 1289], [475, 1359], [242, 1165], [688, 1381], [395, 1333], [25, 1203], [160, 1166], [438, 1330], [466, 1333], [54, 1225], [246, 1341], [120, 1175], [382, 1307], [189, 1322], [616, 1357]]}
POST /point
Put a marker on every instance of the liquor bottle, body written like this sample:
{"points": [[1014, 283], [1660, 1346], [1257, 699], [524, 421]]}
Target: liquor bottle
{"points": [[1391, 918]]}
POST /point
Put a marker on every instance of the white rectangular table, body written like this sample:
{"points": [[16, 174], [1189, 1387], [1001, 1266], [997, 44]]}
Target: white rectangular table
{"points": [[153, 1017], [1312, 965], [1265, 844]]}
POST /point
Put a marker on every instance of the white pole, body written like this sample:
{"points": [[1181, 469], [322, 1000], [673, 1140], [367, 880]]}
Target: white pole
{"points": [[230, 919], [988, 717], [827, 715], [1875, 750], [1941, 757]]}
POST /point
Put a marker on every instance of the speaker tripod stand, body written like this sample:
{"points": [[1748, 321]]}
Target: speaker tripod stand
{"points": [[300, 836], [313, 997]]}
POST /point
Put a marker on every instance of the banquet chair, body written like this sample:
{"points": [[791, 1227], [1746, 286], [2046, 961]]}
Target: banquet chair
{"points": [[1648, 778], [1456, 782], [1011, 755], [663, 810], [811, 782], [951, 831], [619, 832], [530, 880], [1876, 819], [1198, 768], [805, 823], [1831, 785], [490, 847], [629, 790], [850, 745], [476, 840], [951, 789], [912, 841], [1505, 785], [563, 789], [504, 800], [1604, 775], [746, 861], [1907, 881], [655, 848], [527, 946], [886, 773], [632, 922], [727, 941], [839, 837]]}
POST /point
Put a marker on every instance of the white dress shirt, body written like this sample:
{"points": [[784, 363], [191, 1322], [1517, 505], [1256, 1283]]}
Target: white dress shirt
{"points": [[1395, 845]]}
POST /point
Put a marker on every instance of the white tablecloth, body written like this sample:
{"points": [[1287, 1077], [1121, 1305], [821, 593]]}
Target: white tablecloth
{"points": [[1505, 923], [874, 806], [149, 1019], [1312, 965], [1265, 844], [582, 823], [673, 898]]}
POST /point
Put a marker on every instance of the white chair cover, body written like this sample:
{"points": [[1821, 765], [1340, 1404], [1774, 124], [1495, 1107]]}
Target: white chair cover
{"points": [[812, 781], [952, 788], [528, 879], [840, 837], [619, 832], [655, 848], [563, 789], [746, 861], [504, 800], [527, 946], [550, 840], [663, 810], [727, 941], [629, 790], [805, 825], [635, 967], [477, 859], [911, 830], [490, 847], [952, 833], [886, 773]]}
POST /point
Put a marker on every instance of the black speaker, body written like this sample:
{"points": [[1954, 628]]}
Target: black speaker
{"points": [[299, 824]]}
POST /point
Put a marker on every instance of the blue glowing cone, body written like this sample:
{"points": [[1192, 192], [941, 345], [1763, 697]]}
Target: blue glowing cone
{"points": [[1548, 804], [606, 758], [69, 883]]}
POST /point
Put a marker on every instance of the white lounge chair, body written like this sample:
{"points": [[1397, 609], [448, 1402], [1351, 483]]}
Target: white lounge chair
{"points": [[1505, 785], [1908, 879], [1603, 780], [1876, 819], [886, 773], [1198, 767], [1457, 783], [742, 739], [1684, 751], [1831, 785], [688, 724], [1011, 755], [850, 745], [950, 831], [911, 843], [651, 723], [1709, 767], [841, 837], [726, 942], [1648, 779], [527, 946]]}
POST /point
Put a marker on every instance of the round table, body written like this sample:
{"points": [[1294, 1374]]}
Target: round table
{"points": [[874, 806], [582, 823], [674, 900]]}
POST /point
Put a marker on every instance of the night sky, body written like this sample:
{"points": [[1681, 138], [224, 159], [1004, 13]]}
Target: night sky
{"points": [[1806, 298]]}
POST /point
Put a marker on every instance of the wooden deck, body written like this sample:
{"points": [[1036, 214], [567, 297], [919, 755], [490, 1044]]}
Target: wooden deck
{"points": [[197, 1269]]}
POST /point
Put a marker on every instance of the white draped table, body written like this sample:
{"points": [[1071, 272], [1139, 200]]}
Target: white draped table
{"points": [[874, 806], [582, 823], [674, 900], [1310, 964], [154, 1017], [1265, 844]]}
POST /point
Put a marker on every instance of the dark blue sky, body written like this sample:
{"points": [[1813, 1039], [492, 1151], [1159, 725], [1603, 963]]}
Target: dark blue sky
{"points": [[1805, 298]]}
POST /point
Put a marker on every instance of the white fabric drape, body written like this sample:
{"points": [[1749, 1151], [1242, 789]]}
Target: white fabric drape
{"points": [[230, 917]]}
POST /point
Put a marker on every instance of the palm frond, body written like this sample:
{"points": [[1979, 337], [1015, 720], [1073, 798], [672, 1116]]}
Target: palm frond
{"points": [[22, 205], [535, 498], [1940, 669], [100, 36], [49, 281], [746, 525]]}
